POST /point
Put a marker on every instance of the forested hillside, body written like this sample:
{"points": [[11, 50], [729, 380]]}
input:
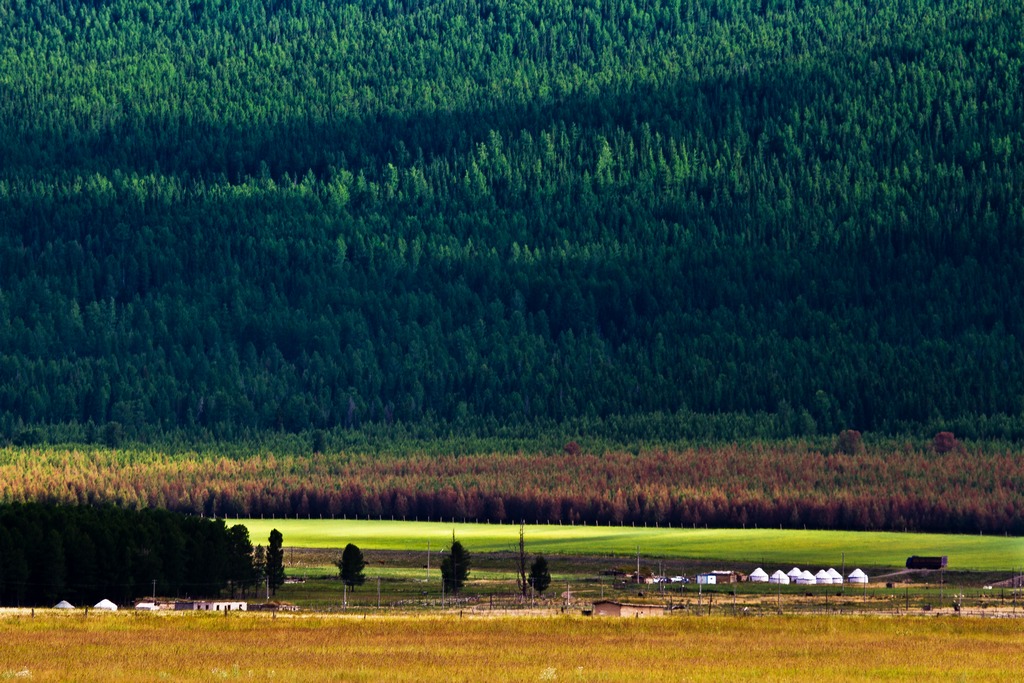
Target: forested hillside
{"points": [[242, 215]]}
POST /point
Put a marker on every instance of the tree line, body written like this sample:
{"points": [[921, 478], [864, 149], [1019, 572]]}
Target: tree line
{"points": [[941, 486], [226, 218], [86, 553]]}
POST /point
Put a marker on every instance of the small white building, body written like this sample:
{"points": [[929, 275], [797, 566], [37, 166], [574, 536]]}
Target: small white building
{"points": [[64, 604], [823, 578], [794, 574], [806, 579], [146, 606], [758, 576], [837, 578], [106, 605], [780, 577], [857, 576]]}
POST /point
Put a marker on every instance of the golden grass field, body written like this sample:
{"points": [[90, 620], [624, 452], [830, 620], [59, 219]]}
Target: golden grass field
{"points": [[193, 647]]}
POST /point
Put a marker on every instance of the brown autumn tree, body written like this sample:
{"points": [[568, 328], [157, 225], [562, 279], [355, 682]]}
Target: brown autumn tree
{"points": [[945, 442], [850, 442]]}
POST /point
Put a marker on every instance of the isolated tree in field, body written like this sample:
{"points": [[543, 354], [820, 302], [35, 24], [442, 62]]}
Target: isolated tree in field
{"points": [[351, 566], [455, 567], [540, 577], [521, 578], [275, 560]]}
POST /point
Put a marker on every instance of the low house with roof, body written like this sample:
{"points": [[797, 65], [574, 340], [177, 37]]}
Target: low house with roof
{"points": [[221, 606], [720, 576], [611, 608]]}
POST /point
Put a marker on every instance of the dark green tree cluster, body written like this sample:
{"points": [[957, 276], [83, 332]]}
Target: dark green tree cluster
{"points": [[455, 567], [83, 554], [540, 575], [274, 567], [226, 217], [350, 566]]}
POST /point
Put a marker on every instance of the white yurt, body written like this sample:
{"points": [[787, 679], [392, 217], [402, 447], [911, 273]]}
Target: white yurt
{"points": [[857, 576], [779, 577], [823, 578], [836, 576], [794, 574], [806, 579], [758, 576], [106, 604], [64, 604]]}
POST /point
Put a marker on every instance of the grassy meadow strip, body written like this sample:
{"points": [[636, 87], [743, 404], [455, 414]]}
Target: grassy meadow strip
{"points": [[874, 549], [125, 646]]}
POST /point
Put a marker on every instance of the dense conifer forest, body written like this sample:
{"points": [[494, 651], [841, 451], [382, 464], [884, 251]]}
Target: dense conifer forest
{"points": [[224, 216], [84, 554]]}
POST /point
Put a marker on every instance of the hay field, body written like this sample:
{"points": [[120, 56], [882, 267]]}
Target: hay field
{"points": [[126, 646], [874, 549]]}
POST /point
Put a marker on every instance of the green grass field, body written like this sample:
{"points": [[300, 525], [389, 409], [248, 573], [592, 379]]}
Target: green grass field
{"points": [[759, 546]]}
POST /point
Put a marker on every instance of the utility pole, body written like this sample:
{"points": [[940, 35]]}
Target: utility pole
{"points": [[154, 589], [638, 564]]}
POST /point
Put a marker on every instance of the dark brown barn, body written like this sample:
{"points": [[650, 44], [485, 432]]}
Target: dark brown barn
{"points": [[922, 562]]}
